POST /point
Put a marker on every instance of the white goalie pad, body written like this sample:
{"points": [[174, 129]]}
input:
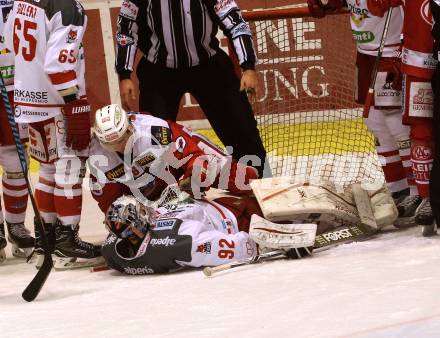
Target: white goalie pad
{"points": [[284, 199], [281, 236]]}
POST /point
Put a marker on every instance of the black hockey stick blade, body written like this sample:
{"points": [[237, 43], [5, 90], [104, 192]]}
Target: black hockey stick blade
{"points": [[33, 289], [342, 235]]}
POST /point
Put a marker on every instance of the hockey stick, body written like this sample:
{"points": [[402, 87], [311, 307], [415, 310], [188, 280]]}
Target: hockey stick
{"points": [[326, 240], [209, 271], [370, 93], [34, 287]]}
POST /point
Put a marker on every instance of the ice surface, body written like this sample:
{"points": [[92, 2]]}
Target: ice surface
{"points": [[388, 287]]}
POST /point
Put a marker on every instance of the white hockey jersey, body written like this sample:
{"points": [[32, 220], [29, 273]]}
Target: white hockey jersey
{"points": [[46, 37], [159, 154], [6, 56], [150, 141], [190, 233], [367, 29]]}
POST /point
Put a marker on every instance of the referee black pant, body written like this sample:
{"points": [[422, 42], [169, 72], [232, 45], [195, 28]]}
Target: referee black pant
{"points": [[217, 90], [435, 173]]}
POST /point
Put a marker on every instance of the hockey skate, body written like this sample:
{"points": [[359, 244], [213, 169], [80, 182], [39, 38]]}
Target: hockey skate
{"points": [[3, 243], [20, 238], [71, 251], [425, 218], [407, 210]]}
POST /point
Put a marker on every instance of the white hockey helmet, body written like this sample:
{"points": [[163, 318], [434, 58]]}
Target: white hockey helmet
{"points": [[111, 123]]}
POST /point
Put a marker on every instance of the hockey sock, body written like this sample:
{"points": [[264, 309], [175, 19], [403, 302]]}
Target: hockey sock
{"points": [[15, 196], [422, 156], [44, 193]]}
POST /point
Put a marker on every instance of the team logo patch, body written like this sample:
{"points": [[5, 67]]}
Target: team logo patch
{"points": [[422, 153], [160, 135], [180, 144], [384, 94], [165, 224], [116, 172], [147, 159], [421, 99], [204, 248], [72, 36], [124, 40], [425, 12]]}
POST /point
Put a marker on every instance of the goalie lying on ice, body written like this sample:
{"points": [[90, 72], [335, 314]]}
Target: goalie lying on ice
{"points": [[195, 233]]}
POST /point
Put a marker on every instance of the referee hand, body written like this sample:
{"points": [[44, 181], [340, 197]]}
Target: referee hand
{"points": [[128, 94], [249, 82]]}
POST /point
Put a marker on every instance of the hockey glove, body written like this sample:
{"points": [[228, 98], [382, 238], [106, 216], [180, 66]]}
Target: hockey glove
{"points": [[380, 7], [319, 8], [77, 117], [299, 252], [394, 75]]}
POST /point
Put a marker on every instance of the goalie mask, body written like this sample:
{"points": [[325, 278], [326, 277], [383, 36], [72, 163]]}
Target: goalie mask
{"points": [[128, 218]]}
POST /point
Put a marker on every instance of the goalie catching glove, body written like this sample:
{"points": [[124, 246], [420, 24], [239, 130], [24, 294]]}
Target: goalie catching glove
{"points": [[77, 117]]}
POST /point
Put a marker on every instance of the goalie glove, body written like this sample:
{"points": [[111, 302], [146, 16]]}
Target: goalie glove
{"points": [[394, 75], [319, 8], [77, 120]]}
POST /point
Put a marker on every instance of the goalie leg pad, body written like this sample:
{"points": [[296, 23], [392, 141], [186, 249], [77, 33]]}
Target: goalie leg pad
{"points": [[281, 236], [385, 211]]}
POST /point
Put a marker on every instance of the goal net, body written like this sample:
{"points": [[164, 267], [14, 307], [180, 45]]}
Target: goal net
{"points": [[310, 125]]}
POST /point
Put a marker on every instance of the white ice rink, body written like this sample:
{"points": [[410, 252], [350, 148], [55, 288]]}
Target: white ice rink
{"points": [[388, 287]]}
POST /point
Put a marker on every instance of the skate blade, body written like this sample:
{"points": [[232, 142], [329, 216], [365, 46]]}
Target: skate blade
{"points": [[21, 252], [429, 230], [68, 263]]}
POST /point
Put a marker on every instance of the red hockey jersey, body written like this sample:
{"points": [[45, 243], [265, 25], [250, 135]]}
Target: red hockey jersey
{"points": [[417, 59]]}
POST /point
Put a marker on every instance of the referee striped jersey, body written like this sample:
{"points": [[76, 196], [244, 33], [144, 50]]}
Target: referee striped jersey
{"points": [[179, 33]]}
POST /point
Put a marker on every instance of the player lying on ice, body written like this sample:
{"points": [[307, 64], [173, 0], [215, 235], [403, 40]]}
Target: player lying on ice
{"points": [[140, 154], [184, 232], [193, 233]]}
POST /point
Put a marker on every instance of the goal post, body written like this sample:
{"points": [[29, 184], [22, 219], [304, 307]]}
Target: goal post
{"points": [[310, 125]]}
